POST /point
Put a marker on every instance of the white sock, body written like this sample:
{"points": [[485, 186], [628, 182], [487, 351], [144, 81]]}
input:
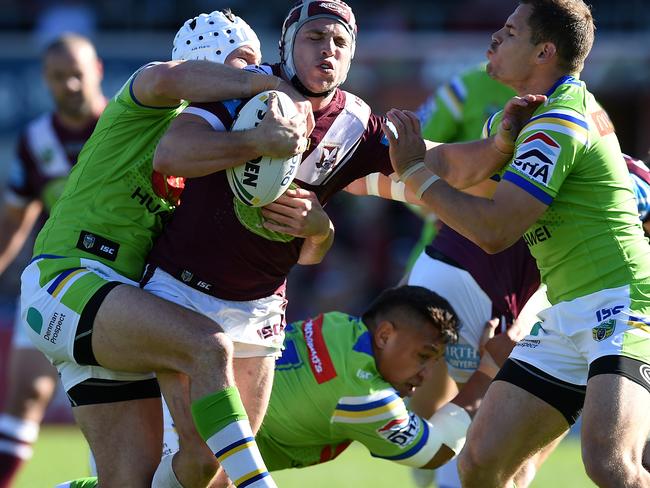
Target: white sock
{"points": [[236, 450], [21, 435], [164, 476]]}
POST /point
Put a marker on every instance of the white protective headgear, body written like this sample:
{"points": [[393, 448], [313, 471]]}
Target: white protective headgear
{"points": [[303, 12], [213, 37]]}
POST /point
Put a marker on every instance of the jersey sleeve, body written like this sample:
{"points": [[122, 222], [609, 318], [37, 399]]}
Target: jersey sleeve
{"points": [[126, 97], [545, 152], [642, 193], [220, 115], [20, 190], [371, 156], [441, 115], [382, 423]]}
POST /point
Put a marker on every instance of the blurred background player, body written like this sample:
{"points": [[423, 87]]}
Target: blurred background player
{"points": [[641, 180], [47, 149]]}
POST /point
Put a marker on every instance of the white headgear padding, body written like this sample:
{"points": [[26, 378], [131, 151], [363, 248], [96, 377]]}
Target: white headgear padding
{"points": [[213, 37], [305, 11]]}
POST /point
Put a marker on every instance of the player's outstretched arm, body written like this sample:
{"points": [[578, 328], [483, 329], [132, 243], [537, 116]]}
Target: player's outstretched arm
{"points": [[16, 224], [462, 164], [166, 84], [192, 147], [380, 185], [494, 223]]}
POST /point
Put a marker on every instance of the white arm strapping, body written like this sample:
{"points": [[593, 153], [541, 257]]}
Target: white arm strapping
{"points": [[425, 186], [451, 422], [412, 170], [372, 184], [397, 191]]}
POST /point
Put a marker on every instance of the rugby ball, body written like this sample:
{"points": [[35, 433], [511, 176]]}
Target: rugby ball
{"points": [[261, 181]]}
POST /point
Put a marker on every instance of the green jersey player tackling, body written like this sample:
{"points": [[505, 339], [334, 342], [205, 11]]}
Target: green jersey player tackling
{"points": [[106, 337], [342, 378], [568, 192]]}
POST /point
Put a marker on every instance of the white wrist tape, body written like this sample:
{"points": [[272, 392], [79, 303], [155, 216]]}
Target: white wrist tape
{"points": [[412, 170], [397, 191], [372, 184], [425, 186], [452, 422]]}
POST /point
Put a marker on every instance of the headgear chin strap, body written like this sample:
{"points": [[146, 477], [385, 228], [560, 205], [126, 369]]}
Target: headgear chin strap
{"points": [[301, 13]]}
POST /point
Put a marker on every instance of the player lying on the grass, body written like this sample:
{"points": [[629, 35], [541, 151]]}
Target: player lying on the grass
{"points": [[342, 378], [569, 193], [80, 302]]}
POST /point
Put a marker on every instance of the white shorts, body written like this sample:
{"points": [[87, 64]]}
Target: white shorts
{"points": [[256, 327], [51, 313], [471, 304], [572, 334], [20, 339]]}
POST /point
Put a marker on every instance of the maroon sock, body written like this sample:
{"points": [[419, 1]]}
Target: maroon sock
{"points": [[9, 466]]}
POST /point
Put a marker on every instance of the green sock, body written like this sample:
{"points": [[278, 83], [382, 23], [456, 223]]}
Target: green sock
{"points": [[222, 422], [80, 483]]}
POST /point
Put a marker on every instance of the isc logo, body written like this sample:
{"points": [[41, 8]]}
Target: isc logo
{"points": [[605, 313]]}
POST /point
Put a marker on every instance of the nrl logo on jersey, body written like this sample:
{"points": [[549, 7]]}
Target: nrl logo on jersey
{"points": [[328, 158], [603, 330], [536, 157], [88, 241], [186, 276]]}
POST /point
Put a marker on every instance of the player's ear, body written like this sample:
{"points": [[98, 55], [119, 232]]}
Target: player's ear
{"points": [[547, 51], [383, 333]]}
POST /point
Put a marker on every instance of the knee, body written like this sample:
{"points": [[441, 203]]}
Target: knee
{"points": [[608, 467], [214, 350], [470, 463]]}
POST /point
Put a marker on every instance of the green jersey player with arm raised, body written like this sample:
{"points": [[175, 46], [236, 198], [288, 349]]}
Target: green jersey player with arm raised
{"points": [[568, 192], [80, 302]]}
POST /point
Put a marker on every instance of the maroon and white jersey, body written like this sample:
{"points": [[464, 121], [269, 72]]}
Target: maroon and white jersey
{"points": [[508, 278], [45, 155], [206, 246]]}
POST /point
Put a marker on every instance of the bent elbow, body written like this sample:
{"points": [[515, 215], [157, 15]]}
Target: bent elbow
{"points": [[494, 243], [163, 160], [163, 81]]}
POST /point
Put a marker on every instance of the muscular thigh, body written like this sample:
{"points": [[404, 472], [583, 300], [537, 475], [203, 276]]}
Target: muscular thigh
{"points": [[615, 416], [507, 429]]}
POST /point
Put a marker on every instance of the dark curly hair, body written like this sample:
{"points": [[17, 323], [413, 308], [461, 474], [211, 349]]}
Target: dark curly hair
{"points": [[424, 303]]}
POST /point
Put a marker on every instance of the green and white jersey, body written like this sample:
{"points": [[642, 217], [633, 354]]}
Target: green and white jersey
{"points": [[109, 210], [568, 157], [458, 109], [327, 392]]}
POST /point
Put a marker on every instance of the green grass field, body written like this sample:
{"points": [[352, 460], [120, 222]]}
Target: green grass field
{"points": [[61, 454]]}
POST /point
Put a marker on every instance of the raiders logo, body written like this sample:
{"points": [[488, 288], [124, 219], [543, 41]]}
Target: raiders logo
{"points": [[603, 330]]}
